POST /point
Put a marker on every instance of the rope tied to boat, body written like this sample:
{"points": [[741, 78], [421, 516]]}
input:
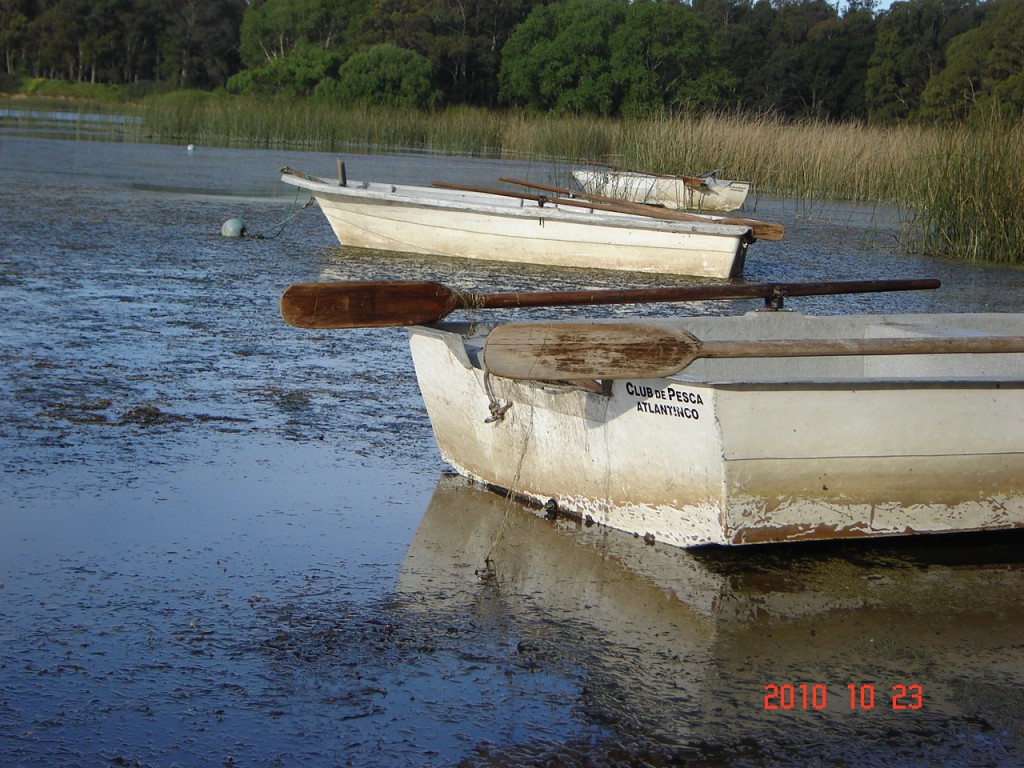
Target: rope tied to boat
{"points": [[278, 228], [489, 573], [497, 409], [471, 302]]}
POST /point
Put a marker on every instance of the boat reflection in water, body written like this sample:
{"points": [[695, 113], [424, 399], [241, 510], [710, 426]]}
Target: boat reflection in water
{"points": [[901, 652]]}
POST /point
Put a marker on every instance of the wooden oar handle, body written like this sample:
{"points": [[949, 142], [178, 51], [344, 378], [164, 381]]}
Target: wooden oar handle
{"points": [[543, 200], [761, 229], [773, 291], [596, 198], [974, 345]]}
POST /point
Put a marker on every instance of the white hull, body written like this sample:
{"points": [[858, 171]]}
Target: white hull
{"points": [[714, 194], [744, 451], [493, 228]]}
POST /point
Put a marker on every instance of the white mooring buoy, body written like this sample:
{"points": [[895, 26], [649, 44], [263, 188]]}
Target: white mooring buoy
{"points": [[232, 228]]}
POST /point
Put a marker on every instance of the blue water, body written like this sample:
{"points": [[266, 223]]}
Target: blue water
{"points": [[225, 541]]}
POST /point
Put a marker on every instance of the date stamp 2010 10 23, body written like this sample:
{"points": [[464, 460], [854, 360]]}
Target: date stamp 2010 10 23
{"points": [[860, 696]]}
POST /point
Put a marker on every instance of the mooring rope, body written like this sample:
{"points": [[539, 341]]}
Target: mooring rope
{"points": [[292, 213], [497, 409], [488, 572]]}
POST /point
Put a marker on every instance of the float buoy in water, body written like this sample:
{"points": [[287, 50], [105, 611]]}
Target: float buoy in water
{"points": [[232, 228]]}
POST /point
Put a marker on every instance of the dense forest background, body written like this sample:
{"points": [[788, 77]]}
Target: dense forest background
{"points": [[920, 60]]}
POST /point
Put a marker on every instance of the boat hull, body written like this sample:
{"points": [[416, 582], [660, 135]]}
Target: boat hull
{"points": [[715, 195], [487, 227], [744, 452]]}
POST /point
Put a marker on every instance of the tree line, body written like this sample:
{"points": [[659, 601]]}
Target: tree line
{"points": [[920, 60]]}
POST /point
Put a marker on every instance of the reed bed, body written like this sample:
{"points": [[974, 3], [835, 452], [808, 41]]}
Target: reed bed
{"points": [[972, 205], [960, 186]]}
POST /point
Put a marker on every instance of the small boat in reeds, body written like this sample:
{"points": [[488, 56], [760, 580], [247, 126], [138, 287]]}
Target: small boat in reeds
{"points": [[698, 193], [765, 427], [512, 226]]}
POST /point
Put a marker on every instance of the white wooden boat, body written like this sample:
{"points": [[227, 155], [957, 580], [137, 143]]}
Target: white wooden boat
{"points": [[748, 450], [533, 229], [698, 193]]}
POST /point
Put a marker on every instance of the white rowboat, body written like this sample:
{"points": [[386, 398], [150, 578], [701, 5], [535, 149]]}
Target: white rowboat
{"points": [[513, 227], [746, 450], [698, 193]]}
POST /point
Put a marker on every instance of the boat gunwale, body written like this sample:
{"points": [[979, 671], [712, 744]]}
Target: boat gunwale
{"points": [[338, 193], [874, 383]]}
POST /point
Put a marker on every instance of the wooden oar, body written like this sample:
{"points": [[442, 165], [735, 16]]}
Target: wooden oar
{"points": [[571, 351], [762, 229], [690, 181], [757, 228], [614, 206], [374, 304]]}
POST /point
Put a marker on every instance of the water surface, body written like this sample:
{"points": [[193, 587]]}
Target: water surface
{"points": [[231, 542]]}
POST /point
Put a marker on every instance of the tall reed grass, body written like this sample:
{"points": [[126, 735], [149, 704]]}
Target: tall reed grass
{"points": [[972, 203], [962, 188]]}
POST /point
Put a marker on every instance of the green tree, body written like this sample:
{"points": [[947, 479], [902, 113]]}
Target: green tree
{"points": [[275, 29], [140, 22], [834, 62], [198, 42], [660, 59], [558, 58], [797, 39], [14, 26], [189, 43], [385, 75], [984, 68], [611, 57], [54, 37], [910, 50], [290, 46], [101, 45], [462, 39], [297, 73], [741, 36]]}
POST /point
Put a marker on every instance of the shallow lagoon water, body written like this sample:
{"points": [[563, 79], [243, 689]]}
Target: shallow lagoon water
{"points": [[231, 542]]}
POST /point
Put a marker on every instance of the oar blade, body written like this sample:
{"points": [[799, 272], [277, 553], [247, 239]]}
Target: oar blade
{"points": [[763, 230], [569, 351], [366, 304]]}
